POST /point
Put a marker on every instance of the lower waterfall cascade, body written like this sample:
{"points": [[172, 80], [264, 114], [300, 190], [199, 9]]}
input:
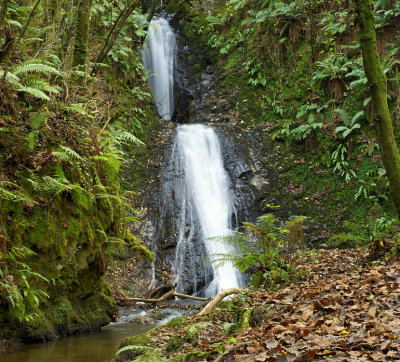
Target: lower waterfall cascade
{"points": [[205, 199]]}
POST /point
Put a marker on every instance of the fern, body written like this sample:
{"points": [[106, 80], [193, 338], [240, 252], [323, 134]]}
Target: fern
{"points": [[67, 154], [28, 78], [31, 140], [29, 67], [81, 197], [111, 162], [59, 174], [36, 93], [259, 248], [12, 192], [129, 138]]}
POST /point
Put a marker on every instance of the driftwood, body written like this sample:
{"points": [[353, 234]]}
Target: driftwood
{"points": [[217, 299], [166, 296], [206, 310]]}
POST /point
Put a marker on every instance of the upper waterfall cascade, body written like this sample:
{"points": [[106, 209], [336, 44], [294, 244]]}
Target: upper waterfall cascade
{"points": [[205, 198], [159, 56]]}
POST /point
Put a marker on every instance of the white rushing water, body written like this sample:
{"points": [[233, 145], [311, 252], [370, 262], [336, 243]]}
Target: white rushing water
{"points": [[207, 195], [159, 56]]}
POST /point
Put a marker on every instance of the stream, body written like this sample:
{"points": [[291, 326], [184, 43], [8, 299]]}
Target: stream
{"points": [[93, 347], [98, 346]]}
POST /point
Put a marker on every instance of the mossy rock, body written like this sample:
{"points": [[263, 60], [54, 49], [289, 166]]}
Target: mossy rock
{"points": [[174, 343], [176, 323], [131, 352], [138, 340], [150, 357], [194, 330], [345, 241]]}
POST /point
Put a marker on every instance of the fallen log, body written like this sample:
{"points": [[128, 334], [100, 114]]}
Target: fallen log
{"points": [[217, 299], [171, 293]]}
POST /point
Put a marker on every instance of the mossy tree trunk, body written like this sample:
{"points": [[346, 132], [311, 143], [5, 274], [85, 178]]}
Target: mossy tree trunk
{"points": [[115, 31], [378, 84], [3, 12], [82, 32]]}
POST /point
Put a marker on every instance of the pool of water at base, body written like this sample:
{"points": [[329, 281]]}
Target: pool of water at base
{"points": [[93, 347]]}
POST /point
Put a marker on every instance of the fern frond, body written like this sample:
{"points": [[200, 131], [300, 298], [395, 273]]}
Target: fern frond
{"points": [[59, 174], [16, 195], [28, 67], [33, 92], [10, 77], [52, 59], [67, 154], [74, 155], [129, 138], [111, 162], [237, 240], [31, 140], [42, 85], [81, 197]]}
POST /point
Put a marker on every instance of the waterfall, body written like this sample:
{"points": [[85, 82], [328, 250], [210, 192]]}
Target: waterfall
{"points": [[159, 56], [197, 202], [206, 203]]}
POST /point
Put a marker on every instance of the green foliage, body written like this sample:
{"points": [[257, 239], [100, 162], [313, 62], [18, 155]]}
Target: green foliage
{"points": [[350, 124], [340, 161], [30, 77], [16, 284], [334, 66], [258, 248], [377, 190]]}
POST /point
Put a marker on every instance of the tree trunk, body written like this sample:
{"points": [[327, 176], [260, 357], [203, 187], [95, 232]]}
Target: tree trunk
{"points": [[378, 84], [8, 47], [114, 32], [3, 12], [82, 33]]}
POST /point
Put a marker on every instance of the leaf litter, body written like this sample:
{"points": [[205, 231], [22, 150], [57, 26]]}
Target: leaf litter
{"points": [[340, 311]]}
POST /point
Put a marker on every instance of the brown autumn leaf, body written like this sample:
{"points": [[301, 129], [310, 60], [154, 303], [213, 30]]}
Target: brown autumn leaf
{"points": [[372, 312]]}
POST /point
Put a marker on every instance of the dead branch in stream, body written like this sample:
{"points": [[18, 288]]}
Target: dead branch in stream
{"points": [[166, 296], [217, 299]]}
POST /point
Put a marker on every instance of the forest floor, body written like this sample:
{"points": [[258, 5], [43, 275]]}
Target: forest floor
{"points": [[346, 308]]}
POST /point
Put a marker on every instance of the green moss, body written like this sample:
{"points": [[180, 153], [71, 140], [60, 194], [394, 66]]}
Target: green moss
{"points": [[193, 331], [176, 323], [135, 244], [131, 352], [138, 340], [174, 343], [150, 357]]}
